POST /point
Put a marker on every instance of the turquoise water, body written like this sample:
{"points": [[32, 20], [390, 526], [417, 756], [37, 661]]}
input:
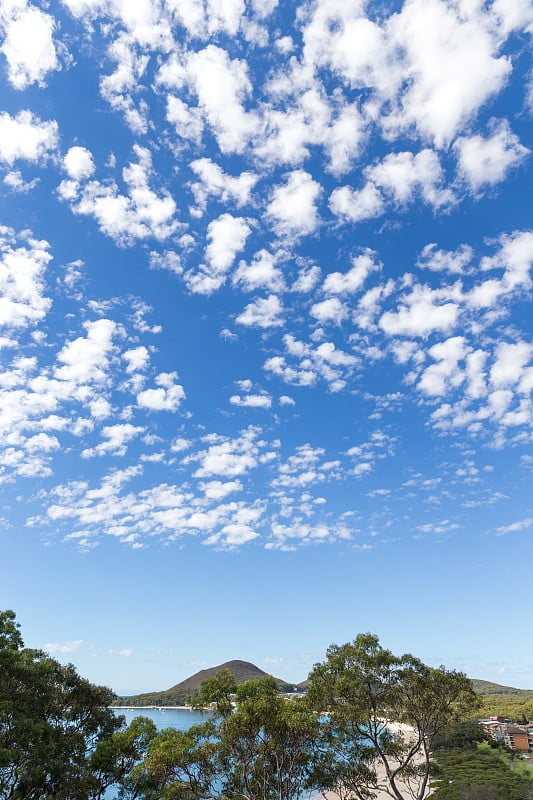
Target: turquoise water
{"points": [[182, 719]]}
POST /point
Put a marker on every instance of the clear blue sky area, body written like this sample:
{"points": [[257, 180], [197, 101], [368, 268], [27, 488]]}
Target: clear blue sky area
{"points": [[266, 333]]}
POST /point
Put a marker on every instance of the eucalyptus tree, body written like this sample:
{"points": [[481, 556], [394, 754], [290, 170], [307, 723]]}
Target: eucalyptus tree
{"points": [[59, 740], [383, 712]]}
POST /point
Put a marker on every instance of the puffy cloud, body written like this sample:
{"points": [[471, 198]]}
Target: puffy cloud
{"points": [[222, 85], [251, 400], [25, 137], [438, 378], [452, 261], [293, 205], [167, 397], [420, 313], [28, 45], [140, 214], [450, 65], [324, 361], [229, 457], [488, 160], [260, 273], [85, 359], [511, 359], [399, 174], [265, 312], [227, 236], [137, 358], [78, 163], [351, 281], [214, 182], [16, 182], [330, 310], [22, 269], [357, 205], [115, 440]]}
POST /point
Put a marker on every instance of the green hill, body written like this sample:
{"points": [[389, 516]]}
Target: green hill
{"points": [[504, 701], [181, 693], [485, 688]]}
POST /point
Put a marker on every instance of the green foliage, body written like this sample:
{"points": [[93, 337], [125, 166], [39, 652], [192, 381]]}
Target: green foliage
{"points": [[517, 708], [179, 765], [477, 774], [362, 686], [463, 735], [267, 743], [260, 749], [58, 738]]}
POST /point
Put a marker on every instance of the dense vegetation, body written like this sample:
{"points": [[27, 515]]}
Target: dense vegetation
{"points": [[182, 693], [504, 701], [464, 769], [60, 741]]}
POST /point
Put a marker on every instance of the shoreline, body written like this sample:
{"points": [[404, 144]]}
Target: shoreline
{"points": [[153, 708]]}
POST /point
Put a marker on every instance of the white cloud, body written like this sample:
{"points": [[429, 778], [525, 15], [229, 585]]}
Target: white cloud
{"points": [[28, 44], [292, 207], [251, 400], [420, 313], [519, 525], [357, 205], [25, 137], [140, 214], [511, 359], [16, 182], [452, 261], [227, 236], [137, 358], [261, 273], [488, 160], [22, 268], [351, 281], [450, 65], [265, 312], [229, 458], [399, 174], [78, 163], [217, 490], [187, 121], [445, 374], [167, 397], [330, 310], [55, 648], [214, 182], [222, 85], [115, 440], [85, 359]]}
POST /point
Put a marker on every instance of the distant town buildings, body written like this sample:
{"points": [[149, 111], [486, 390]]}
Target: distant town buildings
{"points": [[516, 737]]}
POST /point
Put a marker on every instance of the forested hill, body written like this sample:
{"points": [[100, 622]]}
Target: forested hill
{"points": [[181, 693], [494, 695], [485, 688], [504, 701]]}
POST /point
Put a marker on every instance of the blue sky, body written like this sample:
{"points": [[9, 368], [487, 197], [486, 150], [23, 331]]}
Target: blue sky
{"points": [[265, 332]]}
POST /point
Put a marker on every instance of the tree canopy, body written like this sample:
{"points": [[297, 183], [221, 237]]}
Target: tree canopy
{"points": [[58, 738], [383, 714], [369, 722]]}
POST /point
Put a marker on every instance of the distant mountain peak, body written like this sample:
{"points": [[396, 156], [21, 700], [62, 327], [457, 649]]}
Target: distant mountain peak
{"points": [[182, 692]]}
